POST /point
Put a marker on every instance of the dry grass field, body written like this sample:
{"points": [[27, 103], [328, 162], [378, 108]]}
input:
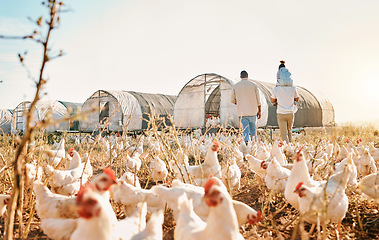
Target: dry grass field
{"points": [[280, 220]]}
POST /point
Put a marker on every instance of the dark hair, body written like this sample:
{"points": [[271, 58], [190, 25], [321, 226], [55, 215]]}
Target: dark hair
{"points": [[244, 74], [282, 62]]}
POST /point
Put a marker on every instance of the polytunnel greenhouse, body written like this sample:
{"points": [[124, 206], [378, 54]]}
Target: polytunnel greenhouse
{"points": [[58, 110], [5, 121], [124, 110], [209, 95]]}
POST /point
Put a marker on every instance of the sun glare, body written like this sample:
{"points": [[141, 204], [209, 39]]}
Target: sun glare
{"points": [[371, 85]]}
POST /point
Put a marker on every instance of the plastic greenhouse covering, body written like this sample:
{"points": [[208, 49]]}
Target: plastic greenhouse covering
{"points": [[56, 109], [5, 121], [210, 94], [124, 110]]}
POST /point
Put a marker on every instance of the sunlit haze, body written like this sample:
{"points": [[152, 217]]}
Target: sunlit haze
{"points": [[331, 48]]}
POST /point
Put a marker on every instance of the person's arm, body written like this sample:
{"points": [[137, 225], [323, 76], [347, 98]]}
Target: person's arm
{"points": [[259, 112], [233, 99], [296, 98], [273, 96], [258, 102]]}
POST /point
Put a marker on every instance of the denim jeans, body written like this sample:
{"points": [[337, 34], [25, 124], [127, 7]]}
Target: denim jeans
{"points": [[249, 124]]}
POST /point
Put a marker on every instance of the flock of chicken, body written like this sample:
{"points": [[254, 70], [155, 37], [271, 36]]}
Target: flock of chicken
{"points": [[77, 205]]}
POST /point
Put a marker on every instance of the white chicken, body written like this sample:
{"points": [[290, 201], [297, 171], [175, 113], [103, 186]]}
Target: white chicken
{"points": [[153, 229], [374, 151], [277, 152], [51, 205], [245, 149], [182, 158], [154, 146], [97, 217], [4, 200], [200, 173], [342, 154], [129, 196], [96, 220], [76, 162], [194, 193], [221, 223], [262, 153], [131, 178], [33, 172], [212, 121], [66, 182], [126, 228], [316, 163], [237, 154], [277, 175], [366, 164], [158, 170], [339, 167], [289, 150], [369, 185], [104, 182], [329, 149], [298, 174], [138, 147], [55, 156], [332, 197], [231, 175], [133, 163], [258, 166]]}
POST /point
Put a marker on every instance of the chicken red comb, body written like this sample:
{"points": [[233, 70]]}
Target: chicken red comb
{"points": [[281, 143], [263, 165], [168, 183], [209, 184], [259, 215], [109, 171], [254, 219], [299, 186], [297, 157], [215, 146], [70, 151], [83, 189]]}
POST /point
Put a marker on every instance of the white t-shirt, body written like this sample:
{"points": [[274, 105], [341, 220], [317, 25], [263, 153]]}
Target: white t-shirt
{"points": [[285, 96]]}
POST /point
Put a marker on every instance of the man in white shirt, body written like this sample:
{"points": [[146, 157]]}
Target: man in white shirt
{"points": [[246, 96], [286, 96]]}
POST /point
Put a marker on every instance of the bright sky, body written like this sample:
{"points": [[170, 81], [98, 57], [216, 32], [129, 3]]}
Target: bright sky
{"points": [[157, 46]]}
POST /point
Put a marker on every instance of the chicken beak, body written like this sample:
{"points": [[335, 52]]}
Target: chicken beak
{"points": [[297, 191]]}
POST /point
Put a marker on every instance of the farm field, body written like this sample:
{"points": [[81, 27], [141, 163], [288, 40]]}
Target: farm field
{"points": [[114, 166], [279, 219]]}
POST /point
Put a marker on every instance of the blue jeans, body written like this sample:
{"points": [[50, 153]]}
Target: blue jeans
{"points": [[249, 124]]}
